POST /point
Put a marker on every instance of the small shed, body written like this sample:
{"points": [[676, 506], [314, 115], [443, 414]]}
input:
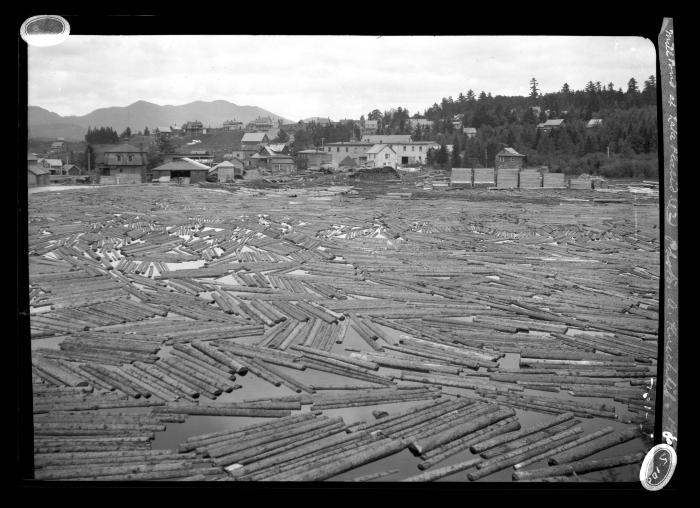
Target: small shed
{"points": [[227, 171], [72, 169], [36, 175], [182, 168]]}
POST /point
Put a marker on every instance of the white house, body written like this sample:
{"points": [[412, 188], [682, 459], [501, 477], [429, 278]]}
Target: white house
{"points": [[380, 156]]}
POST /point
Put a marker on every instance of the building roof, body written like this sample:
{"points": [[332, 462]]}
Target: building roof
{"points": [[32, 157], [183, 164], [53, 162], [555, 122], [387, 138], [378, 148], [508, 151], [349, 143], [67, 167], [253, 137], [38, 170], [593, 122], [311, 151], [348, 161], [469, 129], [121, 148], [57, 144], [277, 147]]}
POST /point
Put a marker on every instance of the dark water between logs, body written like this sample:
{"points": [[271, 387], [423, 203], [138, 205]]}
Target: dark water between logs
{"points": [[407, 464]]}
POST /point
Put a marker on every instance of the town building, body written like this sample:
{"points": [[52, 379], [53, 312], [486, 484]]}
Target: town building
{"points": [[254, 140], [54, 166], [71, 169], [594, 122], [320, 121], [369, 127], [164, 133], [380, 155], [341, 149], [261, 124], [508, 158], [233, 125], [185, 170], [469, 131], [386, 138], [550, 125], [457, 120], [58, 149], [203, 156], [193, 128], [313, 158], [423, 123], [36, 173], [118, 164], [227, 171], [276, 162]]}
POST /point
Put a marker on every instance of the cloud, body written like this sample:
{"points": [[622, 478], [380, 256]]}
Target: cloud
{"points": [[336, 76]]}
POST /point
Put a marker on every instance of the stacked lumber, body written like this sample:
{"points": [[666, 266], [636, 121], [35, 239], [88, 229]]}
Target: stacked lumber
{"points": [[553, 180], [507, 178], [530, 179]]}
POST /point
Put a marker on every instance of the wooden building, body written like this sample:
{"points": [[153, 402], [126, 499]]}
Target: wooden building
{"points": [[508, 158], [550, 125], [193, 128], [185, 170], [120, 164], [36, 174], [226, 171], [313, 158]]}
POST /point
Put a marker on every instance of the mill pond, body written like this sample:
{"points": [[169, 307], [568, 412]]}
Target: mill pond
{"points": [[343, 331]]}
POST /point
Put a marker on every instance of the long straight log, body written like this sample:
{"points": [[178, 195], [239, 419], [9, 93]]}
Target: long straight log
{"points": [[420, 447], [567, 446], [579, 467], [499, 440], [602, 443], [442, 472]]}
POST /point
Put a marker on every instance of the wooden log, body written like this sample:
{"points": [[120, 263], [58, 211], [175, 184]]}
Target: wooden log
{"points": [[595, 446], [220, 357], [376, 451], [579, 467], [505, 438], [55, 371], [353, 361], [567, 446], [502, 462], [440, 453], [420, 447], [528, 440], [442, 472], [287, 380], [375, 476], [165, 377]]}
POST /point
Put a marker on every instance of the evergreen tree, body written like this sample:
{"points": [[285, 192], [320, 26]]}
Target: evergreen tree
{"points": [[146, 132], [534, 91]]}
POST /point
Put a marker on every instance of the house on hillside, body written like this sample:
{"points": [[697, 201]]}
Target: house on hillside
{"points": [[193, 128], [233, 125], [254, 140], [227, 171], [58, 148], [380, 156], [508, 158], [322, 122], [457, 121], [369, 127], [550, 125], [185, 170], [424, 123], [261, 124], [386, 138], [164, 133], [119, 164], [594, 122], [469, 131]]}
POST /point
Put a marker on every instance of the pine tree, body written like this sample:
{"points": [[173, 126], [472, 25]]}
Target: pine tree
{"points": [[534, 91]]}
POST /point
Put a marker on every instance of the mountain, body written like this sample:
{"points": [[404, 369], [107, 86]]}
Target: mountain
{"points": [[140, 114]]}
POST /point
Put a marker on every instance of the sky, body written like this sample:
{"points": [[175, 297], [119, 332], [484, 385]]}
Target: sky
{"points": [[330, 76]]}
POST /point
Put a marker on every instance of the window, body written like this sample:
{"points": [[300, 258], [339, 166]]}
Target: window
{"points": [[420, 148], [337, 149], [119, 158], [413, 148], [346, 149], [329, 148], [386, 155], [131, 157], [404, 148]]}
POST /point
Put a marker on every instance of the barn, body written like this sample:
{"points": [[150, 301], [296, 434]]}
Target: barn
{"points": [[187, 170], [226, 171]]}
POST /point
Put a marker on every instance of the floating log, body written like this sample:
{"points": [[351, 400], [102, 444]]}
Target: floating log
{"points": [[580, 467], [442, 472], [595, 446]]}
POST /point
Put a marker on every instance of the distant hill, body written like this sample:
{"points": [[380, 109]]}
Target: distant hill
{"points": [[140, 114]]}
